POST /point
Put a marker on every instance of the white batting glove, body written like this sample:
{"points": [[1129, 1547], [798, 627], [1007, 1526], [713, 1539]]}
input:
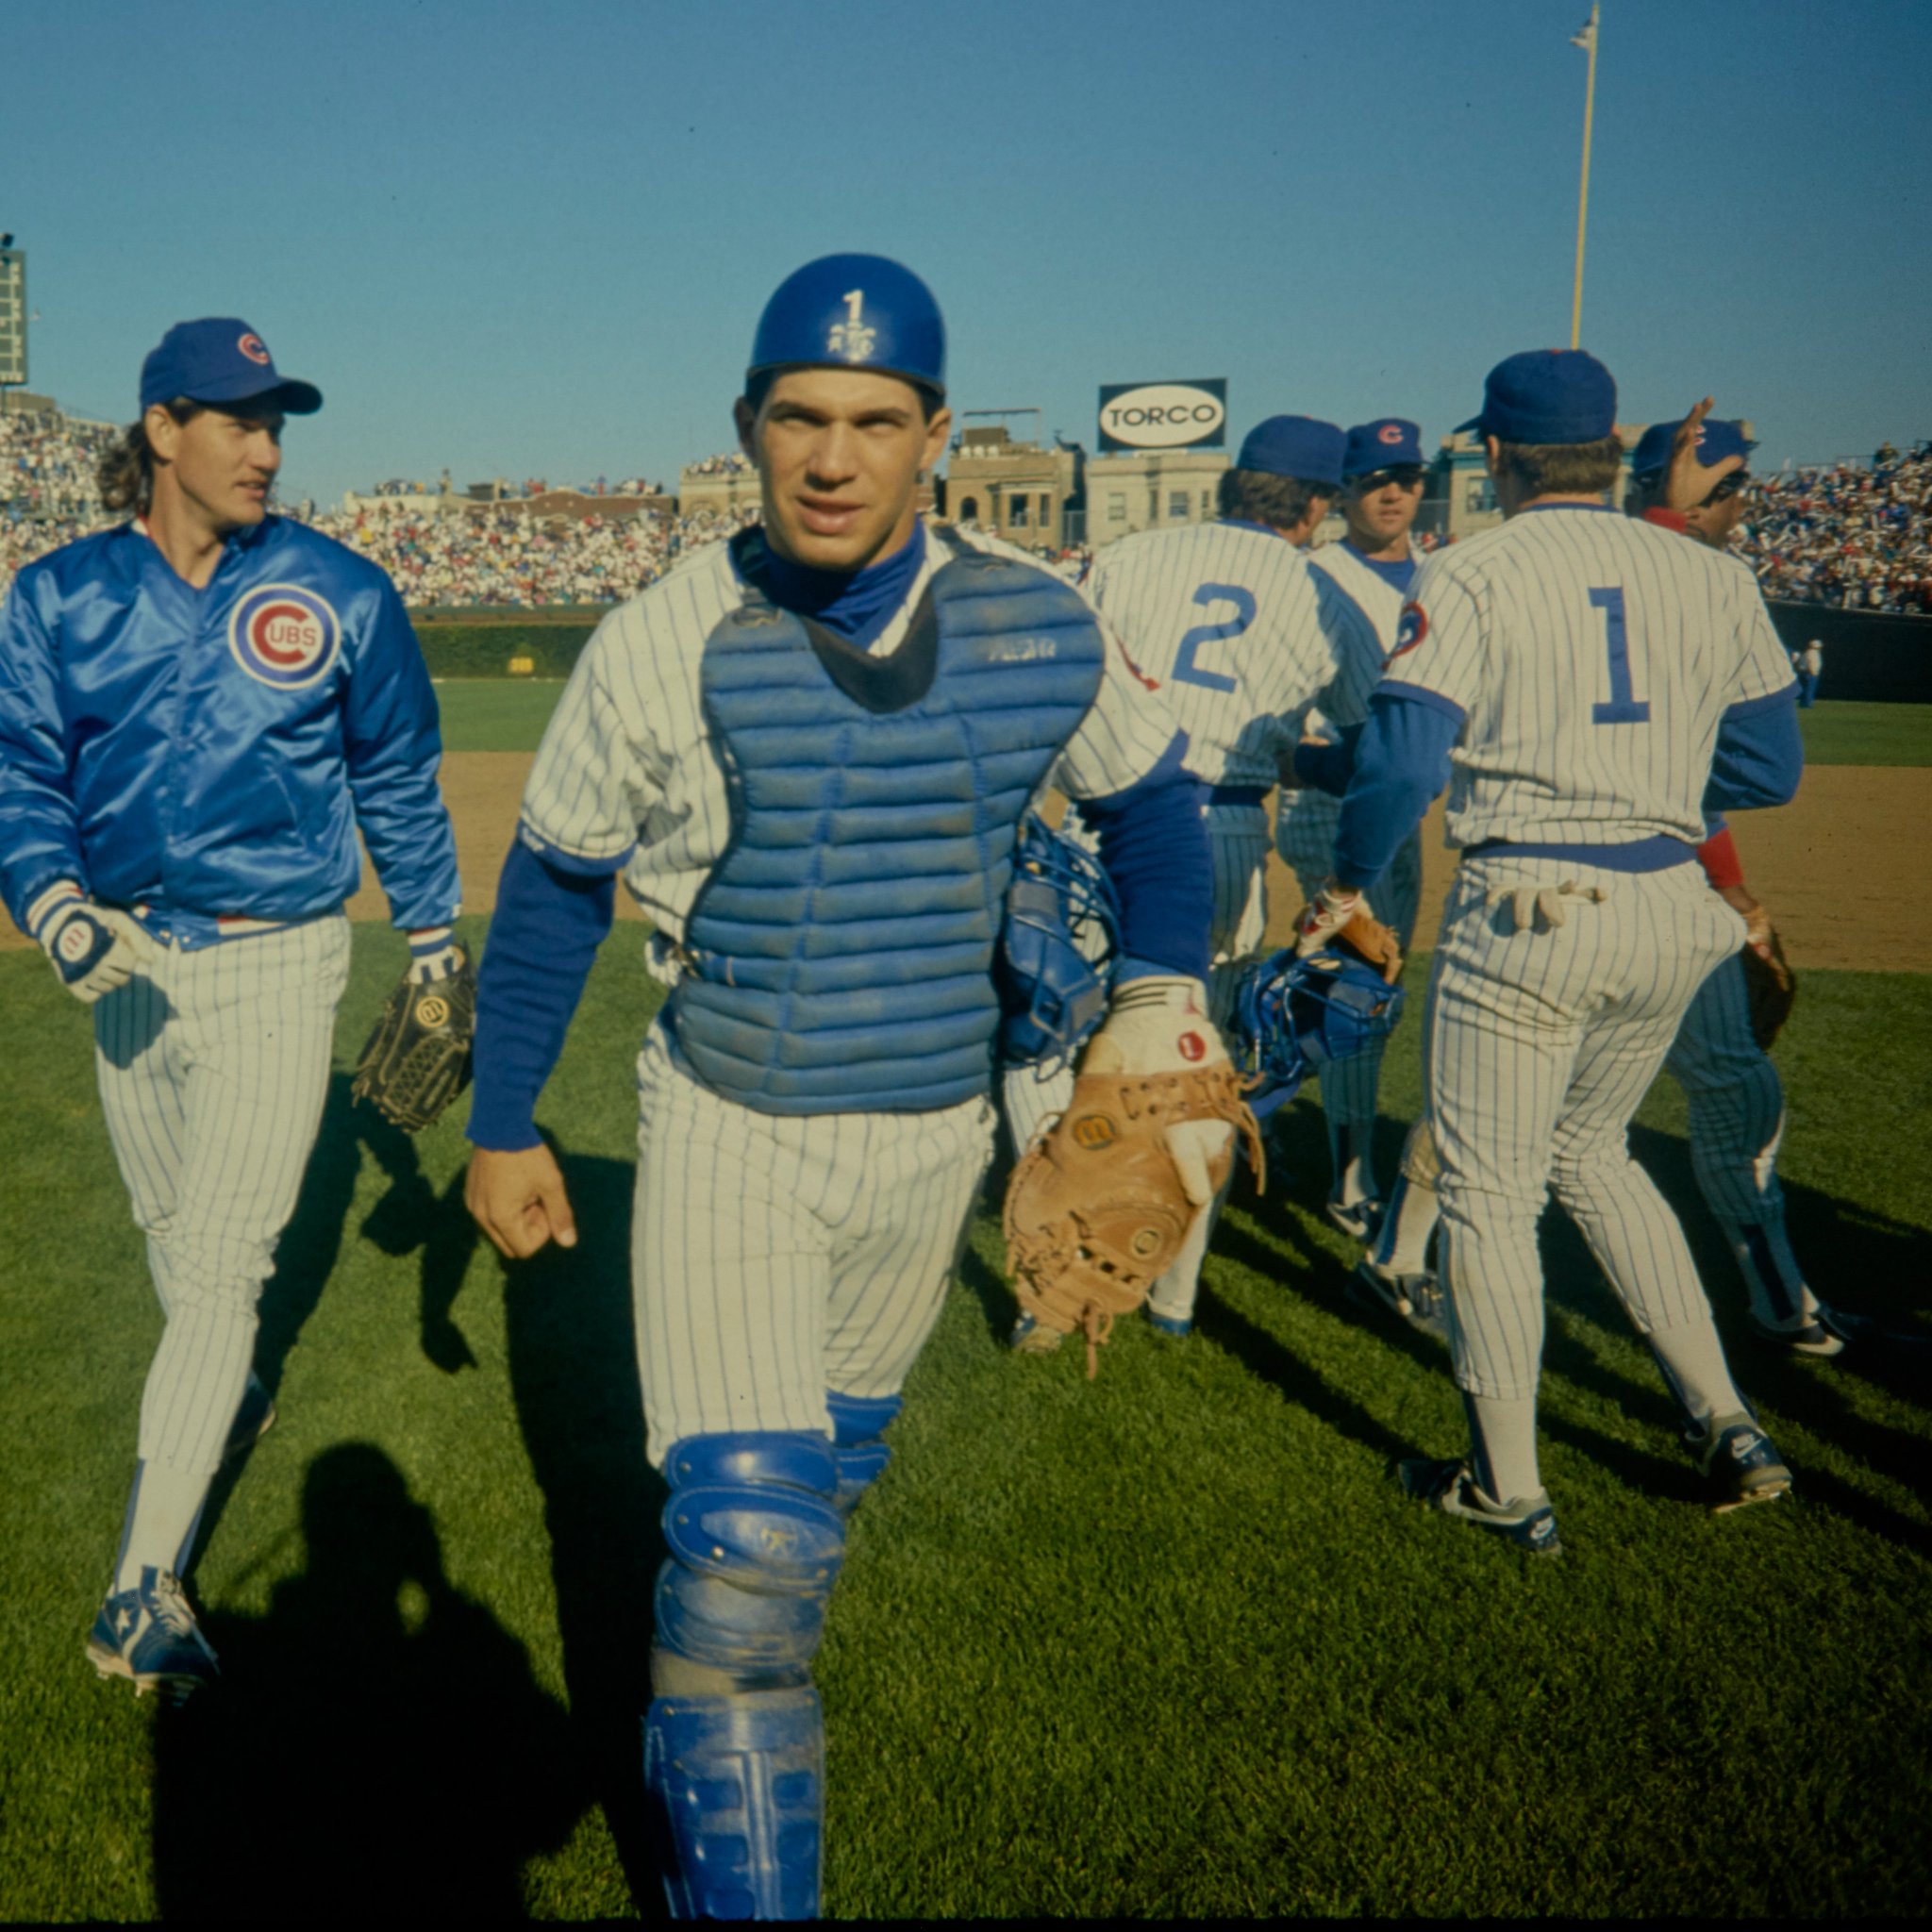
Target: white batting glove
{"points": [[93, 948], [433, 955], [1324, 915], [1156, 1025]]}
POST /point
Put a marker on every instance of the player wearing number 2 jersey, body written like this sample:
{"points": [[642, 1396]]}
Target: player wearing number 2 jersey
{"points": [[1229, 620], [1588, 686]]}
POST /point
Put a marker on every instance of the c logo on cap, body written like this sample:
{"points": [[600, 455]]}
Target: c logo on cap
{"points": [[1390, 432], [1413, 629], [284, 636], [253, 348]]}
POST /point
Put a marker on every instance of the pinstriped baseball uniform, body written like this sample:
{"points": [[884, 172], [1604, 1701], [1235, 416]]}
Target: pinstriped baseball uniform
{"points": [[1227, 620], [204, 758], [773, 1255], [213, 1066], [1592, 658]]}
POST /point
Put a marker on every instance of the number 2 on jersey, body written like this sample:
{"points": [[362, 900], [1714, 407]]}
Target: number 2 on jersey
{"points": [[1624, 707], [1185, 670]]}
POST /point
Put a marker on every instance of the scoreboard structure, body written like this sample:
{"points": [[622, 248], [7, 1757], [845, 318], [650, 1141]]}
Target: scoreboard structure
{"points": [[12, 316]]}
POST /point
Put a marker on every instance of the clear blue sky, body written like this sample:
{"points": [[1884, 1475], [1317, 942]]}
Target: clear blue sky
{"points": [[534, 239]]}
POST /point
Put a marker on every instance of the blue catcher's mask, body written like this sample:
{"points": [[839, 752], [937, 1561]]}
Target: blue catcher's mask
{"points": [[1058, 948], [1293, 1016]]}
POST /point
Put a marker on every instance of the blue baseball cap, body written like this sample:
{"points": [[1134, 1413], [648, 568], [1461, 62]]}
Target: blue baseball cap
{"points": [[1382, 444], [1547, 396], [1297, 446], [221, 359], [1715, 442]]}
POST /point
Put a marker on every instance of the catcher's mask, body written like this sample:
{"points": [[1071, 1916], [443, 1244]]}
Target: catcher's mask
{"points": [[1058, 948], [1293, 1016]]}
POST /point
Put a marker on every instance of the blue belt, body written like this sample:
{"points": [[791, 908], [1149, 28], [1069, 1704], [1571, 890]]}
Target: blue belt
{"points": [[1237, 794], [1638, 855]]}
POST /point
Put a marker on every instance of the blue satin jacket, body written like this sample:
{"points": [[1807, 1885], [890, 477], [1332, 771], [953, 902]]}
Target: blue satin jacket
{"points": [[212, 752]]}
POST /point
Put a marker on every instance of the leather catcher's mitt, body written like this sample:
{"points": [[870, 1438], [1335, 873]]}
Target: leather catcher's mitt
{"points": [[1769, 985], [1096, 1212], [418, 1059]]}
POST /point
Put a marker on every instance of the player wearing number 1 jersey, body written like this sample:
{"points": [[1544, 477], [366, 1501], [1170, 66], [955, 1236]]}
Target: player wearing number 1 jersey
{"points": [[1227, 619], [1595, 685]]}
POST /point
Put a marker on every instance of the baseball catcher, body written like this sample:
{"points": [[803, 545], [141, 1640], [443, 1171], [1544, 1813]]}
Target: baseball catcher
{"points": [[1097, 1211], [417, 1060]]}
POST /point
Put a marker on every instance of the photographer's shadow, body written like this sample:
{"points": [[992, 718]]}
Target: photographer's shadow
{"points": [[376, 1735]]}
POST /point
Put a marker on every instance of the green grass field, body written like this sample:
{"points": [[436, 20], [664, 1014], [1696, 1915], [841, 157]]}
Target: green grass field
{"points": [[1170, 1643], [506, 714]]}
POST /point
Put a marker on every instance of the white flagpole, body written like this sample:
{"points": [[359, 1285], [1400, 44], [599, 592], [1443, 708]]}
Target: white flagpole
{"points": [[1585, 38]]}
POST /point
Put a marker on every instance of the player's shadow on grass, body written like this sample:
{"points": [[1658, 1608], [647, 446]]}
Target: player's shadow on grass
{"points": [[573, 1377], [377, 1737]]}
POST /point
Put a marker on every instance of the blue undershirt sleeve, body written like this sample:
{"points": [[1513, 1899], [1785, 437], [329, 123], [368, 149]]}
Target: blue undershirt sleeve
{"points": [[1326, 767], [543, 939], [1401, 765], [1154, 844], [1759, 756]]}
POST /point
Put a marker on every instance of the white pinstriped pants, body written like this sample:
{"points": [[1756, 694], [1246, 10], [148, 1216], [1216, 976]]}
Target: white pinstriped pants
{"points": [[213, 1066], [775, 1257], [1541, 1045]]}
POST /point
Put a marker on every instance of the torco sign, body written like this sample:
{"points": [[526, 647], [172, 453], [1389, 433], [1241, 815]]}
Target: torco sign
{"points": [[1164, 415]]}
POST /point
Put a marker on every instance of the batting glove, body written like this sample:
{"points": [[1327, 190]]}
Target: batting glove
{"points": [[1324, 915], [95, 948], [1159, 1025]]}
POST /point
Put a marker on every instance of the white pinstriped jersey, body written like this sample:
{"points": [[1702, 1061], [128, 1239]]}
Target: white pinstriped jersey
{"points": [[626, 773], [1227, 616], [1593, 655]]}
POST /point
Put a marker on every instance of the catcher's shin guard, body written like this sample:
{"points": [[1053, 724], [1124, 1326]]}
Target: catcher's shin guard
{"points": [[734, 1743], [859, 1428], [741, 1781]]}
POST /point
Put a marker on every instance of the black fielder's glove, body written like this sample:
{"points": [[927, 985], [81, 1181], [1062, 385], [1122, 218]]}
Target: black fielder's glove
{"points": [[418, 1059]]}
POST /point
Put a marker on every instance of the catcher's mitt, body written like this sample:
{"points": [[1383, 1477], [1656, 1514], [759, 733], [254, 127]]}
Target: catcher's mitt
{"points": [[1770, 984], [418, 1059], [1335, 918], [1096, 1212]]}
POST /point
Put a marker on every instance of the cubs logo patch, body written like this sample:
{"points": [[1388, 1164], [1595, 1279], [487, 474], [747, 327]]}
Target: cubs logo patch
{"points": [[1413, 629], [1093, 1130], [253, 348], [1390, 432], [285, 635]]}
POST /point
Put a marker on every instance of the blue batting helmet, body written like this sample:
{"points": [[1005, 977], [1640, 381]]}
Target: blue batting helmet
{"points": [[1056, 949], [1293, 1016], [854, 311]]}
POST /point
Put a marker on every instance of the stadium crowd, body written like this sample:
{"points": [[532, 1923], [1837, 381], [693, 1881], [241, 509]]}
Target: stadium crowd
{"points": [[1845, 534], [1842, 534]]}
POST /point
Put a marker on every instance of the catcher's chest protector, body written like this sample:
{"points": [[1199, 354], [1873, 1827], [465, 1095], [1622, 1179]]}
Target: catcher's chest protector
{"points": [[840, 952]]}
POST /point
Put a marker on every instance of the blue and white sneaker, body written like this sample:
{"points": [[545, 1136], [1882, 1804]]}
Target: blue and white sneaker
{"points": [[252, 1420], [1528, 1522], [1176, 1326], [149, 1634], [1738, 1462], [1416, 1298], [1357, 1220], [1029, 1337]]}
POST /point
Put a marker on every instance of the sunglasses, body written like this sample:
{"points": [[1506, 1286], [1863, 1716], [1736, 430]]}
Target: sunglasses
{"points": [[1405, 475], [1736, 484]]}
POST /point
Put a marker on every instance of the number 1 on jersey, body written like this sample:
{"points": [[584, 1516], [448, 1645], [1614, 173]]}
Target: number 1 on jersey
{"points": [[1624, 707]]}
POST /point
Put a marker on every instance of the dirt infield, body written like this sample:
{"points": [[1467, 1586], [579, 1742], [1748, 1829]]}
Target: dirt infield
{"points": [[1838, 868]]}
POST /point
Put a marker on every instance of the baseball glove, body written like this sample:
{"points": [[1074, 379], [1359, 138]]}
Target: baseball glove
{"points": [[1333, 917], [418, 1059], [1770, 984], [1096, 1211]]}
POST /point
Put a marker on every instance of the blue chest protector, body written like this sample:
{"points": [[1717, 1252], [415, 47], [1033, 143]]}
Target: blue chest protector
{"points": [[839, 957]]}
